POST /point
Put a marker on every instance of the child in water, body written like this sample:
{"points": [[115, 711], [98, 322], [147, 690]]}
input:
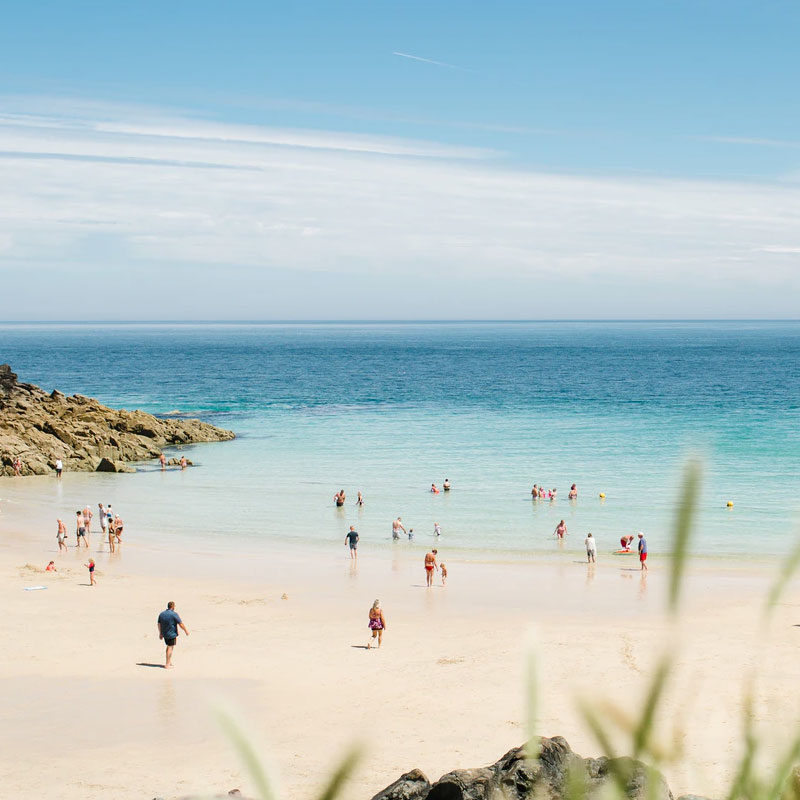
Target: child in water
{"points": [[443, 570]]}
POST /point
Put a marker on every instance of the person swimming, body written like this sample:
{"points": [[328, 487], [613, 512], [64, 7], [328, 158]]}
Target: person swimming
{"points": [[434, 489]]}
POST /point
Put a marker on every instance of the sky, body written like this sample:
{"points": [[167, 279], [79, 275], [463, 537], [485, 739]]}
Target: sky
{"points": [[399, 160]]}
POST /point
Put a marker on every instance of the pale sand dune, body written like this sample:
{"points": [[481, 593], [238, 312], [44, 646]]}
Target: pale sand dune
{"points": [[83, 720]]}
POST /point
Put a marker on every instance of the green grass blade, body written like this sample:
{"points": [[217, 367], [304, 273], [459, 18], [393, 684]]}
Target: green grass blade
{"points": [[784, 770], [243, 746], [786, 573], [743, 780], [641, 736], [683, 524], [533, 743], [342, 773]]}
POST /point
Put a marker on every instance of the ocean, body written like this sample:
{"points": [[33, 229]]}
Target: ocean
{"points": [[387, 409]]}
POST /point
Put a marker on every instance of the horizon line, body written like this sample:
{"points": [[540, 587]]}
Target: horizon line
{"points": [[455, 321]]}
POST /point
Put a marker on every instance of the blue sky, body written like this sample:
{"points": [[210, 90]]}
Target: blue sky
{"points": [[285, 158]]}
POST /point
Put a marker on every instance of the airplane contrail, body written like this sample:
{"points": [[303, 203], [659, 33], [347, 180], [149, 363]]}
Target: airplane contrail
{"points": [[430, 61]]}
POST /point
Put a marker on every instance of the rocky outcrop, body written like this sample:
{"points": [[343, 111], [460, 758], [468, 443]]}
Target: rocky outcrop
{"points": [[550, 776], [39, 428]]}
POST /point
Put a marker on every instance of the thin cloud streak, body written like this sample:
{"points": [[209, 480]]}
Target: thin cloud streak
{"points": [[431, 61], [747, 140]]}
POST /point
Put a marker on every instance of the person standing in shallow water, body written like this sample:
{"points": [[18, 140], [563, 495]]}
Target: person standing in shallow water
{"points": [[168, 623], [377, 624], [591, 548], [162, 459], [642, 551], [561, 529]]}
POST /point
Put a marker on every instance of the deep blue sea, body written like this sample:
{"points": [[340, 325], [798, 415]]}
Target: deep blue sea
{"points": [[388, 408]]}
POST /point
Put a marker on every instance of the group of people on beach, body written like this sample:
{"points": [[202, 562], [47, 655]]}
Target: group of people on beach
{"points": [[111, 525]]}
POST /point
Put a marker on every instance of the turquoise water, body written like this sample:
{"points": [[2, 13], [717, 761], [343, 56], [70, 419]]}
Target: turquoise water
{"points": [[389, 408]]}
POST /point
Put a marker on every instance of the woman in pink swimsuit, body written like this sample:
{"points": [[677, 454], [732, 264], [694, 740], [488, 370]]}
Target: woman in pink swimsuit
{"points": [[377, 623]]}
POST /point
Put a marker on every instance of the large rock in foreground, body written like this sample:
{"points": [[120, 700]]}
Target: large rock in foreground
{"points": [[39, 428], [517, 777]]}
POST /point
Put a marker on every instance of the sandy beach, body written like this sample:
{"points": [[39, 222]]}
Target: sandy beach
{"points": [[90, 713]]}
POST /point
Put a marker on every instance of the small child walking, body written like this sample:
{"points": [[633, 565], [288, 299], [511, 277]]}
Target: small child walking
{"points": [[443, 570], [90, 566]]}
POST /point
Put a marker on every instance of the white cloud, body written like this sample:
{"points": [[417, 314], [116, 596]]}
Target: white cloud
{"points": [[98, 191]]}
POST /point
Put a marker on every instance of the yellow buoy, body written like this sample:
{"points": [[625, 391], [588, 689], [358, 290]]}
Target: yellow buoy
{"points": [[730, 503], [602, 495]]}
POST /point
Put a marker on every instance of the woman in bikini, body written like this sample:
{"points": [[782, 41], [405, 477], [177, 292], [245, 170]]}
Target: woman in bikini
{"points": [[377, 623]]}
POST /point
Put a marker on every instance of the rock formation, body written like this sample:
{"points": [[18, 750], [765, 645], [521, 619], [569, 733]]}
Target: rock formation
{"points": [[517, 777], [39, 428]]}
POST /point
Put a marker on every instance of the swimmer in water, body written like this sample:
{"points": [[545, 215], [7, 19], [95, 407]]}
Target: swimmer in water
{"points": [[535, 492], [561, 529], [573, 492], [360, 499], [446, 484], [434, 490], [339, 498], [437, 529], [553, 494]]}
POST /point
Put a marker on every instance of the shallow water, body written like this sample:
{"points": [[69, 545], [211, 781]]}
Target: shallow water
{"points": [[613, 407]]}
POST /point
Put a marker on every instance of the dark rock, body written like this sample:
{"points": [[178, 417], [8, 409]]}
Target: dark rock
{"points": [[107, 465], [549, 776], [411, 786]]}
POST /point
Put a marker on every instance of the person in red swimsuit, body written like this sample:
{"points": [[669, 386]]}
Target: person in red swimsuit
{"points": [[430, 566]]}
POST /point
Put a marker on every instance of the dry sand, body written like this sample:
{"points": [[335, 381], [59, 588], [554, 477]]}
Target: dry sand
{"points": [[89, 713]]}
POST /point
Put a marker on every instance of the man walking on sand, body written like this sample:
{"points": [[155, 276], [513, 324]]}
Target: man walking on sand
{"points": [[168, 624], [352, 539], [430, 566], [642, 551]]}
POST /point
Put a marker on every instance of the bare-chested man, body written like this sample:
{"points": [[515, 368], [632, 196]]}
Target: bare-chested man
{"points": [[397, 526], [162, 459], [430, 566]]}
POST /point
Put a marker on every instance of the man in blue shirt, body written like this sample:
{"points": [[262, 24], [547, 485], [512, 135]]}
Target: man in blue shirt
{"points": [[168, 624], [642, 551]]}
